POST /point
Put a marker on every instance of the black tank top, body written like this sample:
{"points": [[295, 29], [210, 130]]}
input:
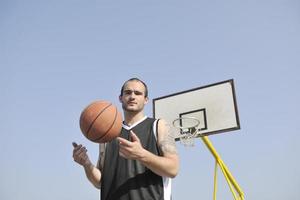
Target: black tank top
{"points": [[124, 179]]}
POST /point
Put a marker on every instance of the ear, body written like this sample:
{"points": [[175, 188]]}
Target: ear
{"points": [[120, 99], [146, 100]]}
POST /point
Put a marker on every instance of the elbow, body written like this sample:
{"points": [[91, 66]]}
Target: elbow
{"points": [[174, 170], [97, 185], [95, 182], [173, 173]]}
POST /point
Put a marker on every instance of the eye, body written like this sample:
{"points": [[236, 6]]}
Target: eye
{"points": [[127, 92], [138, 93]]}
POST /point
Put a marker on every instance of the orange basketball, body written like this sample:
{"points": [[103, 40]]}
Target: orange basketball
{"points": [[101, 121]]}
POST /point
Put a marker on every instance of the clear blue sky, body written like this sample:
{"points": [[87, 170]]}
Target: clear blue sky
{"points": [[58, 56]]}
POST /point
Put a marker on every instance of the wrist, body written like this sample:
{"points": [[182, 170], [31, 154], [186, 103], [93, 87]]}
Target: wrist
{"points": [[144, 156], [88, 165]]}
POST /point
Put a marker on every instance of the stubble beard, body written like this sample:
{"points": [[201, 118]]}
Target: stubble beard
{"points": [[131, 110]]}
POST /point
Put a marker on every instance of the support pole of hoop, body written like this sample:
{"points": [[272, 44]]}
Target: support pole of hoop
{"points": [[233, 185]]}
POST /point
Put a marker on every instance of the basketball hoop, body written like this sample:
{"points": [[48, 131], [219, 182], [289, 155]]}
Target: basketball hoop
{"points": [[188, 129]]}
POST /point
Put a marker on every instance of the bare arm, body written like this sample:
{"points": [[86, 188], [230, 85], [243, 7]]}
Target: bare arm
{"points": [[92, 173], [165, 165]]}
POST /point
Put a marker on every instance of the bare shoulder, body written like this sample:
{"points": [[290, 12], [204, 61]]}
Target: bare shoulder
{"points": [[162, 126], [166, 139]]}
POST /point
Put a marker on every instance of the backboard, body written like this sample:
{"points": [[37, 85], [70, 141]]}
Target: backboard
{"points": [[213, 105]]}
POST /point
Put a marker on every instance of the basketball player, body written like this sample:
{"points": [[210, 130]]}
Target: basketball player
{"points": [[139, 164]]}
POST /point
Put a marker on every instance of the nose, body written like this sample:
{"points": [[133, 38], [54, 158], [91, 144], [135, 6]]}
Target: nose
{"points": [[132, 95]]}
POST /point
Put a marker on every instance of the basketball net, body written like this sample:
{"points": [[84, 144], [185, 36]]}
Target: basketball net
{"points": [[188, 130]]}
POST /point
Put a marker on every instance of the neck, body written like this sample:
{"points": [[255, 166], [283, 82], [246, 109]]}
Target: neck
{"points": [[131, 118]]}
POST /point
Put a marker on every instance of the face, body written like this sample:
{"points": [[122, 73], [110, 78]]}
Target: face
{"points": [[133, 98]]}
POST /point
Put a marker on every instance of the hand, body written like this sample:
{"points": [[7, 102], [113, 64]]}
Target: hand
{"points": [[131, 149], [80, 155]]}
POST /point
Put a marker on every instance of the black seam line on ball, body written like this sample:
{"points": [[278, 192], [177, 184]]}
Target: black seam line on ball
{"points": [[96, 119]]}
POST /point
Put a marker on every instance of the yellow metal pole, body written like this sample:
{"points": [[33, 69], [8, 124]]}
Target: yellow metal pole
{"points": [[215, 181], [223, 166], [228, 180]]}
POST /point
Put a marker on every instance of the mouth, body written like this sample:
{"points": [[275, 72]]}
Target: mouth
{"points": [[131, 103]]}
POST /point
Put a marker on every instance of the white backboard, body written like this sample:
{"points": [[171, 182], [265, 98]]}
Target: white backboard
{"points": [[213, 105]]}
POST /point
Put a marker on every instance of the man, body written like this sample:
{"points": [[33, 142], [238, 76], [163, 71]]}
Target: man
{"points": [[139, 164]]}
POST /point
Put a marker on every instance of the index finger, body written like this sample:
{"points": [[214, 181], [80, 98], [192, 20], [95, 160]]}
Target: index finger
{"points": [[123, 141], [74, 144]]}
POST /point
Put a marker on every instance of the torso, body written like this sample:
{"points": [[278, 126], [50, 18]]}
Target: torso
{"points": [[124, 179]]}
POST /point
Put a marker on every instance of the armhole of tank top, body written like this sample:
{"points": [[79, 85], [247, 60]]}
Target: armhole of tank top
{"points": [[155, 132], [101, 156], [155, 129]]}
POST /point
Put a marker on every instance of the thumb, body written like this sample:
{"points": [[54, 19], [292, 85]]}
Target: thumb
{"points": [[134, 137]]}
